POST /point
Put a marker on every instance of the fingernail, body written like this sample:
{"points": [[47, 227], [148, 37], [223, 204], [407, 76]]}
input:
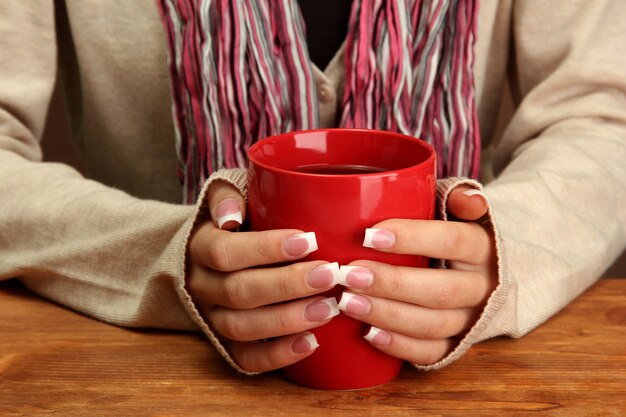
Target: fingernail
{"points": [[378, 336], [355, 276], [474, 191], [321, 310], [324, 276], [379, 238], [354, 304], [300, 244], [304, 344], [228, 210]]}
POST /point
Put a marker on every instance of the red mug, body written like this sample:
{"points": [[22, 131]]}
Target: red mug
{"points": [[337, 183]]}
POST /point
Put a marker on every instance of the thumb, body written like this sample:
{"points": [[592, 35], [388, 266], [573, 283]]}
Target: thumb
{"points": [[226, 204], [467, 203]]}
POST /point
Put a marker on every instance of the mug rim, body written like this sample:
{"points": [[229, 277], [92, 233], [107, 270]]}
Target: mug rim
{"points": [[430, 159]]}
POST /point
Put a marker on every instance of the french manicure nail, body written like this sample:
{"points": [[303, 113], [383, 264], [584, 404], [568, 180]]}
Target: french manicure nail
{"points": [[324, 276], [378, 336], [304, 344], [379, 238], [321, 310], [228, 210], [354, 304], [355, 276], [300, 244], [474, 191]]}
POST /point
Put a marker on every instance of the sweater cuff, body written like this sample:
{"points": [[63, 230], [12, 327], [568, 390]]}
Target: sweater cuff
{"points": [[497, 298], [236, 177]]}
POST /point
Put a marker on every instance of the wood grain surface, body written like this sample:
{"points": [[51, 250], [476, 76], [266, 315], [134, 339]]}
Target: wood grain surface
{"points": [[55, 362]]}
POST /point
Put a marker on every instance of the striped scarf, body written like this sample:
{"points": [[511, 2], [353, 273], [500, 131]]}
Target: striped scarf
{"points": [[240, 71]]}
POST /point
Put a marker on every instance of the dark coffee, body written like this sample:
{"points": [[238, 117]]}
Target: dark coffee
{"points": [[339, 169]]}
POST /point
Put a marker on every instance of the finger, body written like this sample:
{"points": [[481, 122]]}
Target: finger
{"points": [[275, 354], [272, 321], [433, 288], [225, 251], [456, 241], [255, 287], [411, 320], [467, 203], [415, 351], [226, 204]]}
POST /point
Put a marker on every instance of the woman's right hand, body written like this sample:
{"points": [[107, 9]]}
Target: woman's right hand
{"points": [[244, 300]]}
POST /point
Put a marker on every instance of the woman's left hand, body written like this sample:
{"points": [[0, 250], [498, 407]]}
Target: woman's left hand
{"points": [[419, 314]]}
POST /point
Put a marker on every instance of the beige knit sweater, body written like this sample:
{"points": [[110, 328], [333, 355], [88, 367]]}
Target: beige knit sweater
{"points": [[112, 245]]}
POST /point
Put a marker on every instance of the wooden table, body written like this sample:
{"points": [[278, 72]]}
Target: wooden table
{"points": [[54, 362]]}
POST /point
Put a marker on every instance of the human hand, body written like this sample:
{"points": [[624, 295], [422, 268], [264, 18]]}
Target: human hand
{"points": [[244, 300], [418, 314]]}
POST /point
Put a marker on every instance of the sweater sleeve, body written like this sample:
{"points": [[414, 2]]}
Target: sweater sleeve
{"points": [[92, 248], [558, 202]]}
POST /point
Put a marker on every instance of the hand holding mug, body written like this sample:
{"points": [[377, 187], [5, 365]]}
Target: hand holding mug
{"points": [[419, 314], [420, 310], [247, 293], [246, 302]]}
